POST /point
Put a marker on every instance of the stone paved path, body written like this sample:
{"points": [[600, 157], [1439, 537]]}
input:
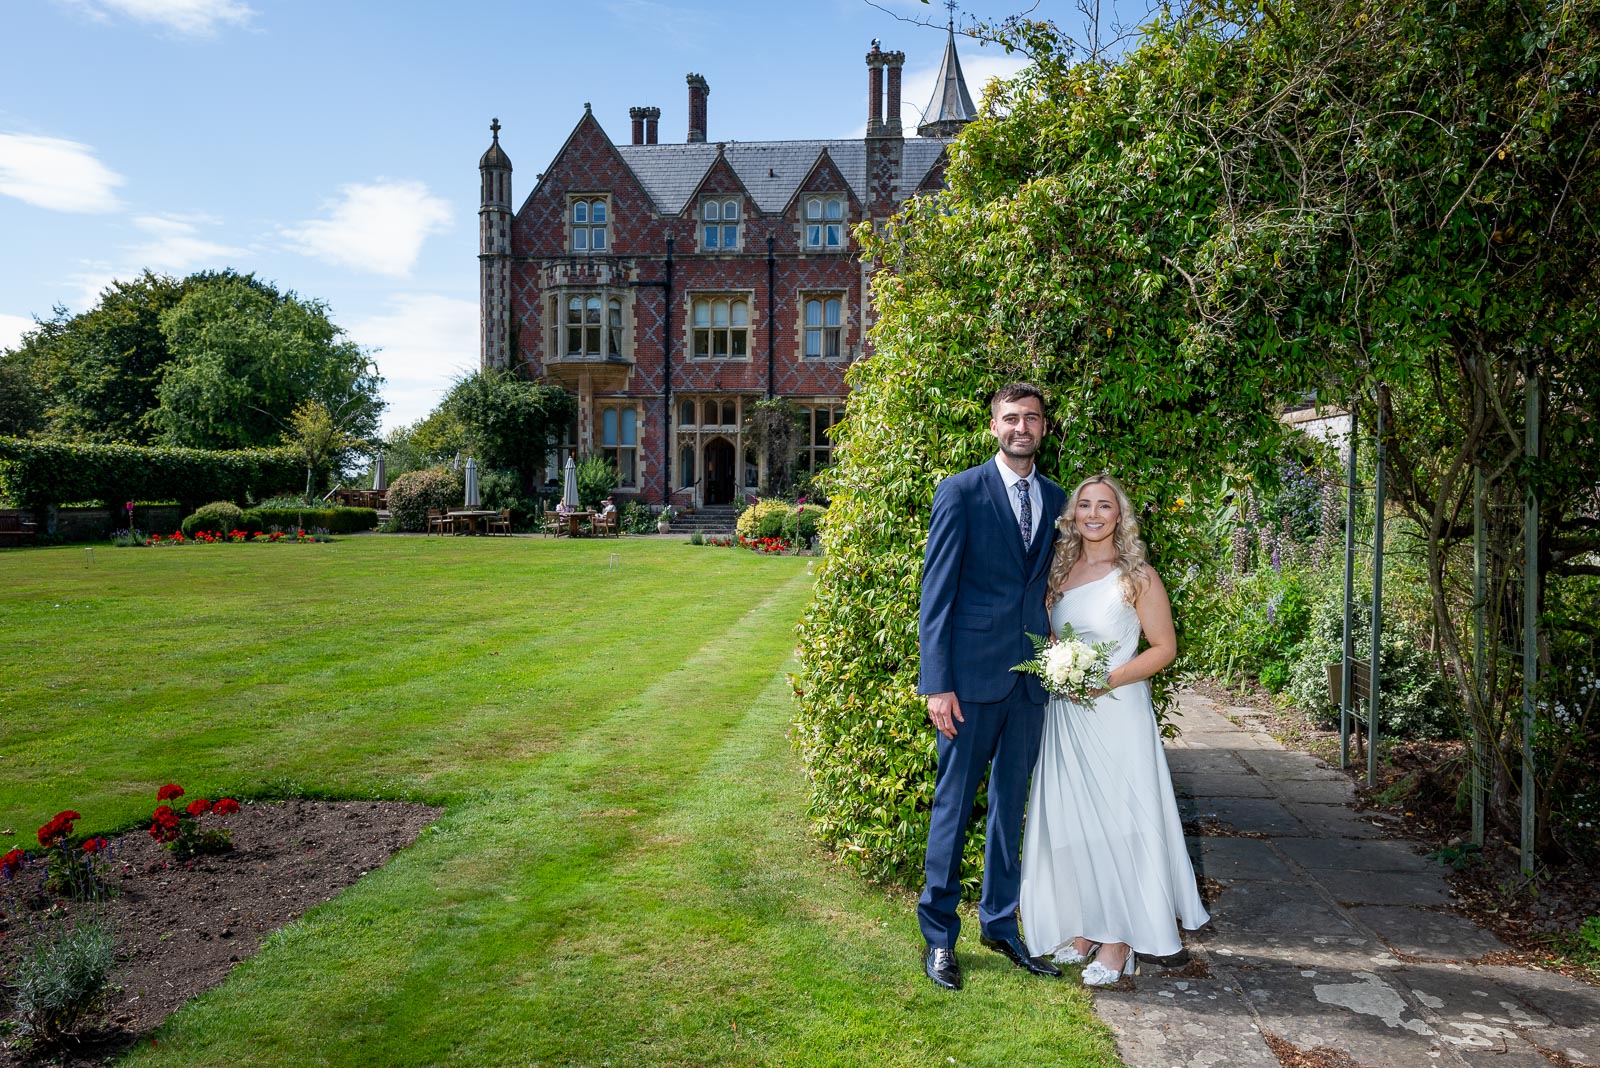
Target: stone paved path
{"points": [[1327, 934]]}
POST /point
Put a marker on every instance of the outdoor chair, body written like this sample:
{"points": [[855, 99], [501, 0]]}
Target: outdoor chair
{"points": [[606, 525], [501, 525], [440, 523], [553, 525]]}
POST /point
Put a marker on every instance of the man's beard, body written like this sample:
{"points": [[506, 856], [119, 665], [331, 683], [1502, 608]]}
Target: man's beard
{"points": [[1016, 452]]}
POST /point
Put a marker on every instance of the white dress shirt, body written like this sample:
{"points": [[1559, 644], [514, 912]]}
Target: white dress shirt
{"points": [[1011, 478]]}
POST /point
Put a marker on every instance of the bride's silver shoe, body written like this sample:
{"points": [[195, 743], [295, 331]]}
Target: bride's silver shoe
{"points": [[1069, 954], [1097, 974]]}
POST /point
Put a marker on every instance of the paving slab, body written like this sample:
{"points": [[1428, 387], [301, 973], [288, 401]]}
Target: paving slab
{"points": [[1428, 933], [1195, 1023], [1284, 765], [1317, 791], [1338, 854], [1386, 888], [1220, 784], [1364, 1015], [1279, 909], [1573, 1008], [1222, 760], [1234, 859], [1261, 815], [1334, 821]]}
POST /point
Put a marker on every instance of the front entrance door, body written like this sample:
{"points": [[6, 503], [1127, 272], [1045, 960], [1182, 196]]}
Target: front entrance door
{"points": [[719, 471]]}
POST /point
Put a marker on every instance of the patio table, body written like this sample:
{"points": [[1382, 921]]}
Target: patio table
{"points": [[471, 516]]}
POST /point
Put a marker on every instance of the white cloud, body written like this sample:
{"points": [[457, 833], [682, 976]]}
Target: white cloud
{"points": [[49, 172], [190, 18], [426, 341], [170, 244], [377, 227], [12, 327]]}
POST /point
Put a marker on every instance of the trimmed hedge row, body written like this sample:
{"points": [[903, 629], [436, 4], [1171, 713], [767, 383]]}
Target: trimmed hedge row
{"points": [[41, 473], [222, 518]]}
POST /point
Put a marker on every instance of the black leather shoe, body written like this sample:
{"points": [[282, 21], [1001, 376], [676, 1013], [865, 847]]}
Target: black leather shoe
{"points": [[942, 967], [1013, 950]]}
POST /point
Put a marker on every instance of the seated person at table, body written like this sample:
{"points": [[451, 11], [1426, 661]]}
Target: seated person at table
{"points": [[561, 508], [608, 509]]}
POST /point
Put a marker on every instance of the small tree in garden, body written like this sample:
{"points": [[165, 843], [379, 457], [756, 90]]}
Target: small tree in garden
{"points": [[597, 478], [773, 427], [318, 439]]}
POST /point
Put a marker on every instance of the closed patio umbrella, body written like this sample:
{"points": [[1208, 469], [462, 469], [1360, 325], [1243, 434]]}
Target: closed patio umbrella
{"points": [[380, 474], [472, 483], [569, 489]]}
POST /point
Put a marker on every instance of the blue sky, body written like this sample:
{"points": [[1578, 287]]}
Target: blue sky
{"points": [[332, 146]]}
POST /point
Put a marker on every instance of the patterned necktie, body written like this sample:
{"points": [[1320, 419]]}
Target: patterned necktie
{"points": [[1026, 519]]}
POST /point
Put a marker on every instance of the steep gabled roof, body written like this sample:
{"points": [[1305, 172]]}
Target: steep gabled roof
{"points": [[951, 105], [771, 170]]}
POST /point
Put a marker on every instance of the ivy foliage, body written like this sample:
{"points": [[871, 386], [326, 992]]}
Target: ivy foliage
{"points": [[1251, 204], [1078, 202]]}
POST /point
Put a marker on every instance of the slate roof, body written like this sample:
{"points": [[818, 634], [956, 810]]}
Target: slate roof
{"points": [[770, 170], [951, 104]]}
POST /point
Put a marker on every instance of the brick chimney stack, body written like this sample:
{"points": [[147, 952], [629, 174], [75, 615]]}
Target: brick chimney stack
{"points": [[651, 117], [637, 115], [874, 90], [894, 61], [698, 91]]}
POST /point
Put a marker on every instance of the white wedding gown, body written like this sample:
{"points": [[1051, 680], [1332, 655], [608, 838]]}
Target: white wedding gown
{"points": [[1102, 852]]}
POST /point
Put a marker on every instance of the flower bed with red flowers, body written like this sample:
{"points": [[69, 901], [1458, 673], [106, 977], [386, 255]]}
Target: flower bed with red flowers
{"points": [[767, 546], [237, 537], [181, 926]]}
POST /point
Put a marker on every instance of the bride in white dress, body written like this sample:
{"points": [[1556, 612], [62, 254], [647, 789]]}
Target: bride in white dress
{"points": [[1103, 858]]}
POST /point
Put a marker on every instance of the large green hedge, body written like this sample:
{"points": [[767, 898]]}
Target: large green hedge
{"points": [[1057, 257], [38, 473]]}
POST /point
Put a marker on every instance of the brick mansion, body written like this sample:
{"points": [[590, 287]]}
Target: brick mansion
{"points": [[667, 286]]}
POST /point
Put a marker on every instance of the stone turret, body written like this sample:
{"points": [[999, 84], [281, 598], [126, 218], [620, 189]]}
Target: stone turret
{"points": [[494, 255]]}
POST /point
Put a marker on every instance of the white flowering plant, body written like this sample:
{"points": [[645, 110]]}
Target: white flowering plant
{"points": [[1070, 667]]}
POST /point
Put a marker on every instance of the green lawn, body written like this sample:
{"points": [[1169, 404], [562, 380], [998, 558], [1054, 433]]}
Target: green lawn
{"points": [[622, 875]]}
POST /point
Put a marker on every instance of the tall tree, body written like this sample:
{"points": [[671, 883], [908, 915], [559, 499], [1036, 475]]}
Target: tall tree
{"points": [[243, 356], [508, 420]]}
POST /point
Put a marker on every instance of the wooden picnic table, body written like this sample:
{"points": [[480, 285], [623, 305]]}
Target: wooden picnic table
{"points": [[471, 517], [575, 521]]}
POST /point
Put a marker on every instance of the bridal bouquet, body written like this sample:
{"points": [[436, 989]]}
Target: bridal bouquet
{"points": [[1070, 667]]}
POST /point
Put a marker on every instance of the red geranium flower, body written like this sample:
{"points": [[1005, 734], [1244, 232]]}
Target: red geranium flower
{"points": [[95, 845], [168, 792], [199, 807], [225, 806], [11, 862], [164, 824]]}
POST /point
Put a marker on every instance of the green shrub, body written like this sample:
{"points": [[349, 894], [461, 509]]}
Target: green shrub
{"points": [[334, 520], [415, 492], [636, 518], [697, 538], [500, 488], [770, 517], [36, 473], [597, 479], [219, 517], [63, 978], [1415, 700], [1251, 625]]}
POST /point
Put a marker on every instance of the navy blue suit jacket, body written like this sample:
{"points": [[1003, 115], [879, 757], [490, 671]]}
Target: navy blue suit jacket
{"points": [[981, 597]]}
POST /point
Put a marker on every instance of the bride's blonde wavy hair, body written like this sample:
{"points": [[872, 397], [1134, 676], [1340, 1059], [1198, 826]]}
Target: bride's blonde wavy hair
{"points": [[1069, 544]]}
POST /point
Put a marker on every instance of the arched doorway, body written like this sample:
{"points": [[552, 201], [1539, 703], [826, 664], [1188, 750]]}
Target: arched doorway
{"points": [[718, 457]]}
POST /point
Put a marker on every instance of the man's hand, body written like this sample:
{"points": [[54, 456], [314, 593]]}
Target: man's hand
{"points": [[945, 712]]}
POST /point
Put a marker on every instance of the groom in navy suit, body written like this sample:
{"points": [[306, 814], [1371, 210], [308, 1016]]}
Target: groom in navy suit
{"points": [[983, 589]]}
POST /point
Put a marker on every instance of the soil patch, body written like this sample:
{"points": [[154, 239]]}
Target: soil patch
{"points": [[180, 928], [1415, 793]]}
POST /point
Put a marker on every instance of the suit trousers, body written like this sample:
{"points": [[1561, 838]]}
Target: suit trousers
{"points": [[1000, 739]]}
